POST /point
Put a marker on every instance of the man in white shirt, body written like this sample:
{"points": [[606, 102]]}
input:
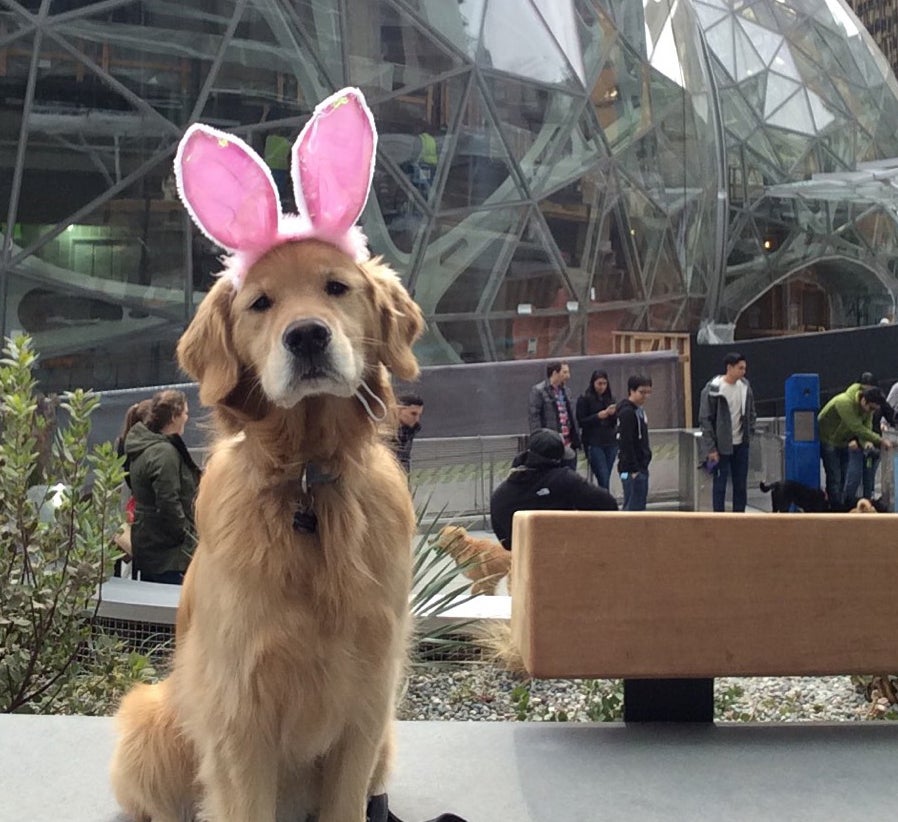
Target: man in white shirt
{"points": [[727, 418]]}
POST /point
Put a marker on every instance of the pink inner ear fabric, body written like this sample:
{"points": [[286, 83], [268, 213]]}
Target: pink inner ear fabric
{"points": [[334, 162], [228, 190]]}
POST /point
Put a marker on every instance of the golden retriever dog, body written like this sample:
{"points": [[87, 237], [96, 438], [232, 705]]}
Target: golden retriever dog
{"points": [[863, 506], [292, 628], [484, 561]]}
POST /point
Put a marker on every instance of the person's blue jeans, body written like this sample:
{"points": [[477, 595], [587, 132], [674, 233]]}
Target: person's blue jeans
{"points": [[870, 466], [835, 467], [601, 460], [860, 472], [731, 466], [636, 490]]}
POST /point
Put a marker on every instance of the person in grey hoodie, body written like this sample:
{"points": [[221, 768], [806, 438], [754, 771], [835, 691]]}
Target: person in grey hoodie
{"points": [[727, 419]]}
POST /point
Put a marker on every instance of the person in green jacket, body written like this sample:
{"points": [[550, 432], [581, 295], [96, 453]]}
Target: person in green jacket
{"points": [[846, 421], [164, 480]]}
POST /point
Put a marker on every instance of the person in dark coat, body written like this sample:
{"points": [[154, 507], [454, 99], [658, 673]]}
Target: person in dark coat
{"points": [[541, 481], [164, 480], [596, 416], [635, 453], [410, 407], [549, 406]]}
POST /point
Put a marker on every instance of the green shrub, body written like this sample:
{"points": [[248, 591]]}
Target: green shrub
{"points": [[52, 563]]}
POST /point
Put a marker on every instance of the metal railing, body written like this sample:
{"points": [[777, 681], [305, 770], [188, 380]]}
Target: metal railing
{"points": [[456, 476]]}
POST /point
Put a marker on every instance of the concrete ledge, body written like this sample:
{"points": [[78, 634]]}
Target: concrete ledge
{"points": [[54, 768], [151, 602]]}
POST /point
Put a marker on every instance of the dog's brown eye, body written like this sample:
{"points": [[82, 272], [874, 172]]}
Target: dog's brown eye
{"points": [[335, 288], [262, 303]]}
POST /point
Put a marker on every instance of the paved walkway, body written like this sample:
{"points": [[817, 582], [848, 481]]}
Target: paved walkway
{"points": [[55, 768]]}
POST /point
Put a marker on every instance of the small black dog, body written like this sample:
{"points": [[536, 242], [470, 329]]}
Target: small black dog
{"points": [[786, 493]]}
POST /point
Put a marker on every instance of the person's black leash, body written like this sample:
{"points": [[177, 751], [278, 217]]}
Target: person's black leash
{"points": [[379, 811]]}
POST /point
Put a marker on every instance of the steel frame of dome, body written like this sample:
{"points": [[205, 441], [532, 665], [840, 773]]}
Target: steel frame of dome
{"points": [[621, 171]]}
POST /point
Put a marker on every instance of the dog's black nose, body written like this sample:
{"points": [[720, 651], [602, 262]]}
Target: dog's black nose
{"points": [[307, 337]]}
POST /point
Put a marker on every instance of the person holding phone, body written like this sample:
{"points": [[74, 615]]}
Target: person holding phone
{"points": [[597, 418]]}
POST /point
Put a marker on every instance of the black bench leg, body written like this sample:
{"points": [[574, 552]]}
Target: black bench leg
{"points": [[668, 700]]}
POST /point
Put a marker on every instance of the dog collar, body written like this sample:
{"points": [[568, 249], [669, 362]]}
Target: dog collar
{"points": [[305, 521]]}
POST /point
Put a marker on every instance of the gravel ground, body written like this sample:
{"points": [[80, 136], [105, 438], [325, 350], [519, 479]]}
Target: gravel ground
{"points": [[485, 693]]}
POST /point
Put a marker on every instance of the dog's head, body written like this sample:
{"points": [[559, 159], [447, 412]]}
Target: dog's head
{"points": [[864, 506], [306, 321], [451, 539], [300, 311]]}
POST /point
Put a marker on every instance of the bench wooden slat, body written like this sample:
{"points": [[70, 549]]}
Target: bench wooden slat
{"points": [[649, 595]]}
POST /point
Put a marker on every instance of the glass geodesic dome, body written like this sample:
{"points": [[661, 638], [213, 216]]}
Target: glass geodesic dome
{"points": [[548, 171]]}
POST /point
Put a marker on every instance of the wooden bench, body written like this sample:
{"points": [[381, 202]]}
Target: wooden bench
{"points": [[668, 601]]}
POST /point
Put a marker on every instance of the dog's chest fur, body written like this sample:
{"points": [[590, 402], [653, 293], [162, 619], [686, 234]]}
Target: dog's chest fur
{"points": [[319, 614]]}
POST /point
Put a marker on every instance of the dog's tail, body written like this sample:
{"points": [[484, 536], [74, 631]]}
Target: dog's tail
{"points": [[765, 487]]}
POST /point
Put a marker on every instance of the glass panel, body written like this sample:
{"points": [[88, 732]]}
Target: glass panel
{"points": [[666, 314], [614, 278], [539, 127], [85, 340], [629, 17], [533, 277], [464, 294], [412, 130], [104, 141], [160, 52], [743, 242], [597, 34], [764, 42], [460, 240], [465, 338], [709, 13], [492, 31], [265, 75], [480, 169], [317, 25], [666, 270], [721, 39], [16, 58], [393, 225], [621, 98], [779, 90], [507, 345], [748, 61], [388, 51], [129, 249], [542, 333], [753, 91], [794, 114], [789, 148], [784, 64]]}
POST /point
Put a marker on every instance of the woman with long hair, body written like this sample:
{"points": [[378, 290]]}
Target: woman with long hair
{"points": [[138, 412], [596, 415], [164, 479]]}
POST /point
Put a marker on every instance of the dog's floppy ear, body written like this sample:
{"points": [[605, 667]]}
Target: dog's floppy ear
{"points": [[401, 322], [206, 349]]}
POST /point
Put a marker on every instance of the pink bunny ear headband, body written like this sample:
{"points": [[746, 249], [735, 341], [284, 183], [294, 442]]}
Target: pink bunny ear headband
{"points": [[231, 195]]}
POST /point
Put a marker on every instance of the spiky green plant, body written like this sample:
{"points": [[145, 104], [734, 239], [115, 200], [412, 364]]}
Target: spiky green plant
{"points": [[438, 585]]}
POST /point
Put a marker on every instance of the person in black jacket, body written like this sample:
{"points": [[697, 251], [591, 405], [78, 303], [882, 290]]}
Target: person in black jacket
{"points": [[634, 453], [409, 408], [541, 481], [596, 416]]}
